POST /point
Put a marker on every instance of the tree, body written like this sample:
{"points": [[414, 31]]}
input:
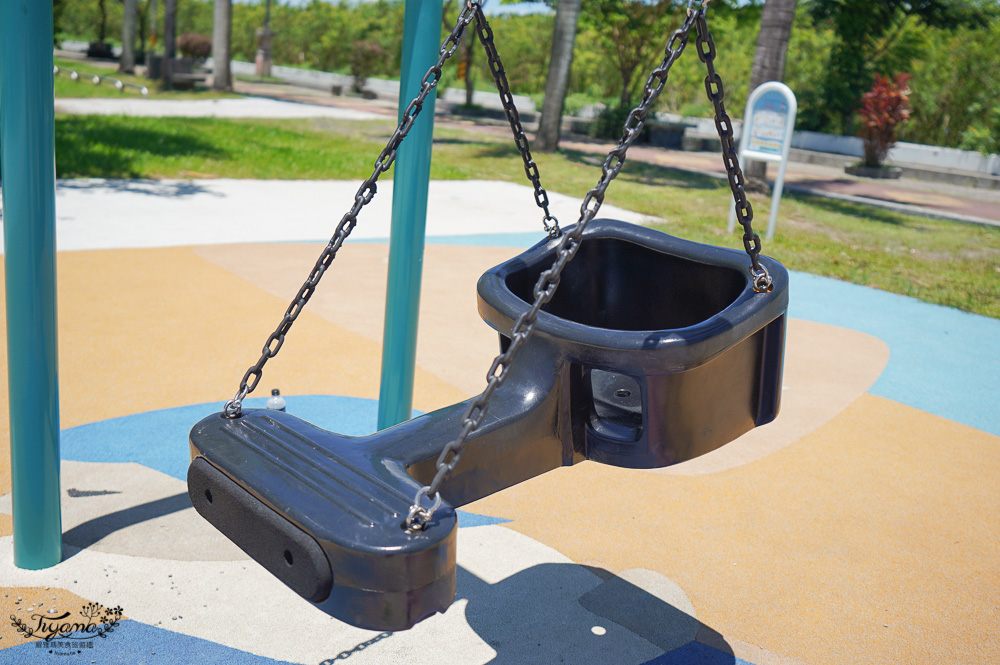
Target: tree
{"points": [[468, 52], [631, 33], [222, 30], [58, 7], [126, 64], [865, 30], [776, 21], [152, 28], [103, 31], [169, 42], [560, 64], [956, 99], [465, 68]]}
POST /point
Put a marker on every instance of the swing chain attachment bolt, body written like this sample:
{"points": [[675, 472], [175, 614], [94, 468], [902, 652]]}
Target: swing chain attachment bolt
{"points": [[761, 280], [233, 409], [419, 516], [551, 226]]}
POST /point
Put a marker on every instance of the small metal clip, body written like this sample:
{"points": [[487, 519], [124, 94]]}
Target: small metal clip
{"points": [[419, 516], [761, 280]]}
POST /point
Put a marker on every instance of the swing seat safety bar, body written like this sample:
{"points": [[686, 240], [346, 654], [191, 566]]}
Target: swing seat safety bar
{"points": [[654, 350]]}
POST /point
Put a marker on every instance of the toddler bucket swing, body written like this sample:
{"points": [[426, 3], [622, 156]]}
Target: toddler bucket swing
{"points": [[647, 351]]}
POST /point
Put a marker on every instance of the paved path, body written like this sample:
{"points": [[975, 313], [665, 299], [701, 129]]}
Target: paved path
{"points": [[248, 107], [114, 214]]}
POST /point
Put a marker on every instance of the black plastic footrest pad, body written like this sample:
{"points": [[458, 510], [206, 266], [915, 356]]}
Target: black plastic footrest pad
{"points": [[286, 551]]}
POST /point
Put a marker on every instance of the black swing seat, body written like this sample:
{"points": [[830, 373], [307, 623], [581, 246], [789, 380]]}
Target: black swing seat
{"points": [[654, 350]]}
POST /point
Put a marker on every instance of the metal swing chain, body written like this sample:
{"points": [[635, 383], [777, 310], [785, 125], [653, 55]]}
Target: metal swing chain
{"points": [[744, 211], [365, 193], [485, 34], [548, 281]]}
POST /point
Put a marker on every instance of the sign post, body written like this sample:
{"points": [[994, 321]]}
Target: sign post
{"points": [[768, 122]]}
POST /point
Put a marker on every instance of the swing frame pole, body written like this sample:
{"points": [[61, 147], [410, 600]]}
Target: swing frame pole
{"points": [[27, 160], [411, 180]]}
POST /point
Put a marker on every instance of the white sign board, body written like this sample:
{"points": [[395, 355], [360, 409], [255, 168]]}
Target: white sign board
{"points": [[768, 122]]}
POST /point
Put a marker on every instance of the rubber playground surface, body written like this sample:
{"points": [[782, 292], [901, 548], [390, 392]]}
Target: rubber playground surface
{"points": [[860, 527]]}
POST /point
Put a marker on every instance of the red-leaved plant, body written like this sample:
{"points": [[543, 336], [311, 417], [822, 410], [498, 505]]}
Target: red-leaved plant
{"points": [[885, 108]]}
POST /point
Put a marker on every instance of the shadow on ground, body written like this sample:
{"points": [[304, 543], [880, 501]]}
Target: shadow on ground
{"points": [[90, 147], [646, 173], [860, 210], [551, 612], [95, 530], [530, 618], [536, 616], [165, 189]]}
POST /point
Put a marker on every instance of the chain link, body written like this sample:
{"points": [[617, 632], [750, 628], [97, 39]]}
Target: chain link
{"points": [[366, 191], [724, 125], [485, 34]]}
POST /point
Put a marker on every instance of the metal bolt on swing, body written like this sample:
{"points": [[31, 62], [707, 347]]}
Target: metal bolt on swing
{"points": [[419, 516]]}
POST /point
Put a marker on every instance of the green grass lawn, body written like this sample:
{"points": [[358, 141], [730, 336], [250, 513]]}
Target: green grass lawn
{"points": [[65, 87], [956, 265], [133, 147]]}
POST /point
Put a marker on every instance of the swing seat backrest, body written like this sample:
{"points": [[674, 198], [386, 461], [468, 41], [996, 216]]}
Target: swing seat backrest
{"points": [[672, 352], [654, 350]]}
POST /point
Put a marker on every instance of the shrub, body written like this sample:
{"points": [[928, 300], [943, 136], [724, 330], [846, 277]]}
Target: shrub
{"points": [[610, 124], [885, 108], [366, 58], [101, 50], [194, 46], [984, 135]]}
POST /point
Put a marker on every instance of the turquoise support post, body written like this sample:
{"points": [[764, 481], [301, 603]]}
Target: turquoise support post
{"points": [[411, 178], [27, 163]]}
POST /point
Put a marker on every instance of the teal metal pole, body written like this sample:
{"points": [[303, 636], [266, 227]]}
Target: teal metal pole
{"points": [[411, 178], [27, 164]]}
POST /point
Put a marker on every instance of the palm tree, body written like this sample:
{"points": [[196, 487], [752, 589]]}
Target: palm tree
{"points": [[169, 42], [126, 63], [560, 63], [776, 21], [222, 28]]}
